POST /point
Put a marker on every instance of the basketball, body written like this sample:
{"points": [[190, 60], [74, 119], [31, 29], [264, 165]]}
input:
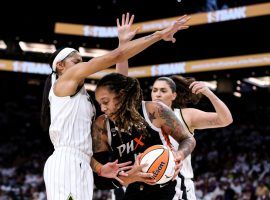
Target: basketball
{"points": [[160, 162]]}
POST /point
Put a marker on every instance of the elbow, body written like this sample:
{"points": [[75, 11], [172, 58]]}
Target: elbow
{"points": [[227, 121], [230, 120]]}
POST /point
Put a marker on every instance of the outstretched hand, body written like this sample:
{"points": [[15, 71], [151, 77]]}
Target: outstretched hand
{"points": [[113, 169], [125, 32], [167, 34]]}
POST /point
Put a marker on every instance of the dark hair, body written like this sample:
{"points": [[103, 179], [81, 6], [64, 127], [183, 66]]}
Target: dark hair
{"points": [[180, 85], [129, 94], [170, 82], [45, 108], [184, 95]]}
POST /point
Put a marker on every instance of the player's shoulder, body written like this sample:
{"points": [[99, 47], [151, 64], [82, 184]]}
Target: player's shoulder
{"points": [[155, 105], [100, 120]]}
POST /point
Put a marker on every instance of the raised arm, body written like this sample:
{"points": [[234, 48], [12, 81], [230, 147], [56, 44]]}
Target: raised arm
{"points": [[125, 34], [68, 82], [200, 119]]}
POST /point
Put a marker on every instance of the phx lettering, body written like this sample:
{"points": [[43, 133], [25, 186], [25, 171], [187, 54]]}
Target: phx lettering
{"points": [[129, 146]]}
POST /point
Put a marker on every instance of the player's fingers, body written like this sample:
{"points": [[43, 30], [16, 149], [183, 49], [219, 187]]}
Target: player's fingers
{"points": [[183, 27], [192, 84], [121, 173], [117, 22], [119, 180], [182, 17], [125, 168], [131, 20], [145, 175], [127, 18], [151, 182], [176, 174], [123, 19], [124, 164]]}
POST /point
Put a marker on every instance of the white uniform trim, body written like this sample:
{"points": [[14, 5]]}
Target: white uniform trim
{"points": [[186, 170], [109, 134]]}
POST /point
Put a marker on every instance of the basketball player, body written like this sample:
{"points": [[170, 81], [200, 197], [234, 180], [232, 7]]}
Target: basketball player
{"points": [[177, 96], [176, 92], [124, 130], [67, 112]]}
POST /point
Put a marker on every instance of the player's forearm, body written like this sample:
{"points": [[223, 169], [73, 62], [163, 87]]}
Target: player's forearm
{"points": [[134, 47], [122, 68], [223, 112], [121, 54], [186, 146], [95, 165]]}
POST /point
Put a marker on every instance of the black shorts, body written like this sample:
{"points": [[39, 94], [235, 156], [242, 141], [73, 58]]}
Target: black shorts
{"points": [[142, 191]]}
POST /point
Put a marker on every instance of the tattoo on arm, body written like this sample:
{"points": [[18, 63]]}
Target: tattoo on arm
{"points": [[169, 120], [97, 133], [172, 126], [213, 122], [152, 116]]}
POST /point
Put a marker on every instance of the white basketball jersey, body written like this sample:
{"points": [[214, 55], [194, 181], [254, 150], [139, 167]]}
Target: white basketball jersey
{"points": [[186, 169], [71, 119]]}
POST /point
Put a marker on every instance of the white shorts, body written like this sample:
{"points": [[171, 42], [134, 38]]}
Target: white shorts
{"points": [[67, 173], [190, 189]]}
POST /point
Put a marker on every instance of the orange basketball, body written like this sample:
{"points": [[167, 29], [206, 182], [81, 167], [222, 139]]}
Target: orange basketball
{"points": [[160, 162]]}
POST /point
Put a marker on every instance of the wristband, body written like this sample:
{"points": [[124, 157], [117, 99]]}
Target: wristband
{"points": [[99, 167]]}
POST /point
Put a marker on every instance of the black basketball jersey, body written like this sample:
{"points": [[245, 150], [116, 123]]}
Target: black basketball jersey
{"points": [[127, 145]]}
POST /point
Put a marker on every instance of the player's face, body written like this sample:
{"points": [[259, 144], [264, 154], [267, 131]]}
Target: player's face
{"points": [[107, 100], [161, 91], [72, 60]]}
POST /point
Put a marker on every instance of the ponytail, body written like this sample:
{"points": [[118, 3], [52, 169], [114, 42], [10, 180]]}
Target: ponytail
{"points": [[45, 120], [184, 95]]}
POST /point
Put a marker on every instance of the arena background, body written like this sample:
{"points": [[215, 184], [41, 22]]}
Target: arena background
{"points": [[229, 163]]}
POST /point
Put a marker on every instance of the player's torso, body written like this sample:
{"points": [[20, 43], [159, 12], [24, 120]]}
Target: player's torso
{"points": [[126, 145]]}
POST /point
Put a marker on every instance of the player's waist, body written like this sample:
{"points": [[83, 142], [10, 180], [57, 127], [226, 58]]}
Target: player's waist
{"points": [[77, 153], [140, 186]]}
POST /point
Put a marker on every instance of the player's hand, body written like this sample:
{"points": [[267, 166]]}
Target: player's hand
{"points": [[167, 34], [125, 32], [178, 158], [198, 87], [113, 169], [135, 174]]}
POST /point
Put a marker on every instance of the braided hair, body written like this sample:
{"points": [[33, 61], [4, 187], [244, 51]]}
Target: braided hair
{"points": [[129, 95]]}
